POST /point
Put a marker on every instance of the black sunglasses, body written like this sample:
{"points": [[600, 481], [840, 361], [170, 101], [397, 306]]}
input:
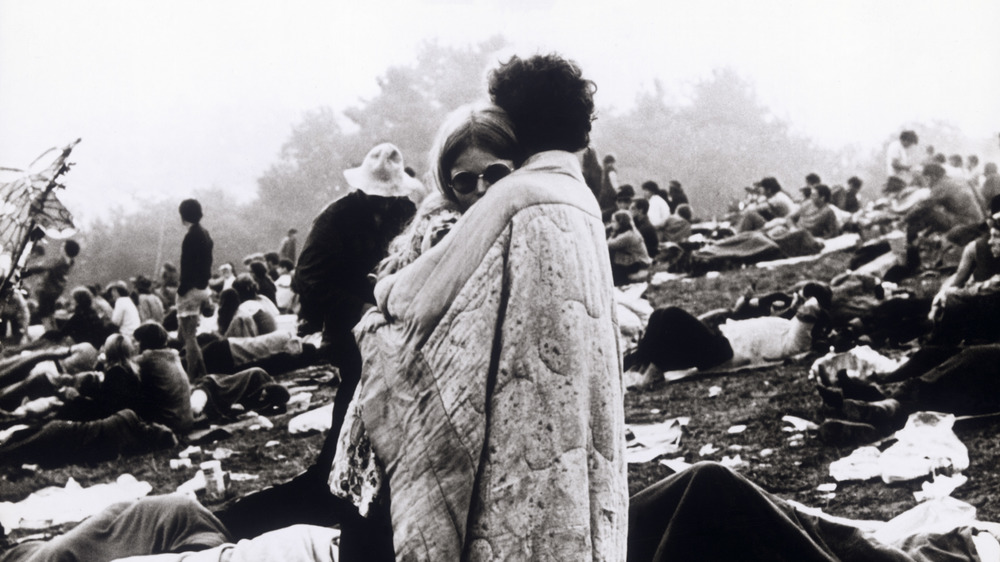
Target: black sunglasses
{"points": [[466, 182]]}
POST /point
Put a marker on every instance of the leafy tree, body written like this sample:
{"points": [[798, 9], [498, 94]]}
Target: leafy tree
{"points": [[411, 104], [723, 140], [137, 243]]}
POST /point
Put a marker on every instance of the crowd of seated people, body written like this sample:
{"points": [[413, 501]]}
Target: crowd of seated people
{"points": [[136, 394]]}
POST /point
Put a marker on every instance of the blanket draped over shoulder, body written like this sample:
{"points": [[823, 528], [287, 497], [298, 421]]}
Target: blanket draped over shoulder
{"points": [[494, 393]]}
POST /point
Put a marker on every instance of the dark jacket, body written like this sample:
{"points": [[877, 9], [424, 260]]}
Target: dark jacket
{"points": [[649, 236], [196, 259], [343, 247], [166, 393], [86, 326]]}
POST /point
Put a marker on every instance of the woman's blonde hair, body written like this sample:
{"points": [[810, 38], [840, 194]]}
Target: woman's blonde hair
{"points": [[479, 125], [118, 349]]}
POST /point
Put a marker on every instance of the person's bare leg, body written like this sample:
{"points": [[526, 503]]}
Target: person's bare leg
{"points": [[651, 377], [188, 328]]}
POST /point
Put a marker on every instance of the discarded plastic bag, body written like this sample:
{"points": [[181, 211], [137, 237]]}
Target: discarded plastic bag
{"points": [[924, 446], [313, 420], [57, 505], [653, 440], [933, 516], [940, 487], [798, 424], [861, 464], [859, 362]]}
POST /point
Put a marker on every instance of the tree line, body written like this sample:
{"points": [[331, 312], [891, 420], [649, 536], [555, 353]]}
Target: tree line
{"points": [[723, 139]]}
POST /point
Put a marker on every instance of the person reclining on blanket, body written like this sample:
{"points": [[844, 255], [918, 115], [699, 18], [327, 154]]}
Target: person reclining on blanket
{"points": [[277, 352], [675, 340], [167, 397], [86, 394], [69, 365], [955, 380], [91, 395], [707, 512], [157, 407], [62, 442]]}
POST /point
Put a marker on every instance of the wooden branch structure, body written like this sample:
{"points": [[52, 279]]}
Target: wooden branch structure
{"points": [[29, 208]]}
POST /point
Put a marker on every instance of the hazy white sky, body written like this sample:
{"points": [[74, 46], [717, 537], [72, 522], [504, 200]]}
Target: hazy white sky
{"points": [[175, 96]]}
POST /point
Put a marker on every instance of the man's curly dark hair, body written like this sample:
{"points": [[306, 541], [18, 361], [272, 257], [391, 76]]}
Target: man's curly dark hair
{"points": [[548, 100]]}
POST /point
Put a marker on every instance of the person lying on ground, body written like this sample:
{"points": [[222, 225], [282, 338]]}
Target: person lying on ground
{"points": [[87, 394], [745, 248], [869, 310], [215, 395], [63, 442], [675, 340], [68, 359], [949, 379], [277, 352]]}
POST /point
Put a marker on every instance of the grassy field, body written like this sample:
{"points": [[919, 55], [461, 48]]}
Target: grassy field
{"points": [[791, 465]]}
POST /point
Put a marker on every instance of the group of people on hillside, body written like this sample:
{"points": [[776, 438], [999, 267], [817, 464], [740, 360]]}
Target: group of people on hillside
{"points": [[954, 369], [480, 409], [109, 380], [638, 223]]}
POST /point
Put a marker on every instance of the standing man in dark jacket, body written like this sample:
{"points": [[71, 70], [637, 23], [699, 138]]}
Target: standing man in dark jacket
{"points": [[347, 240], [193, 293]]}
